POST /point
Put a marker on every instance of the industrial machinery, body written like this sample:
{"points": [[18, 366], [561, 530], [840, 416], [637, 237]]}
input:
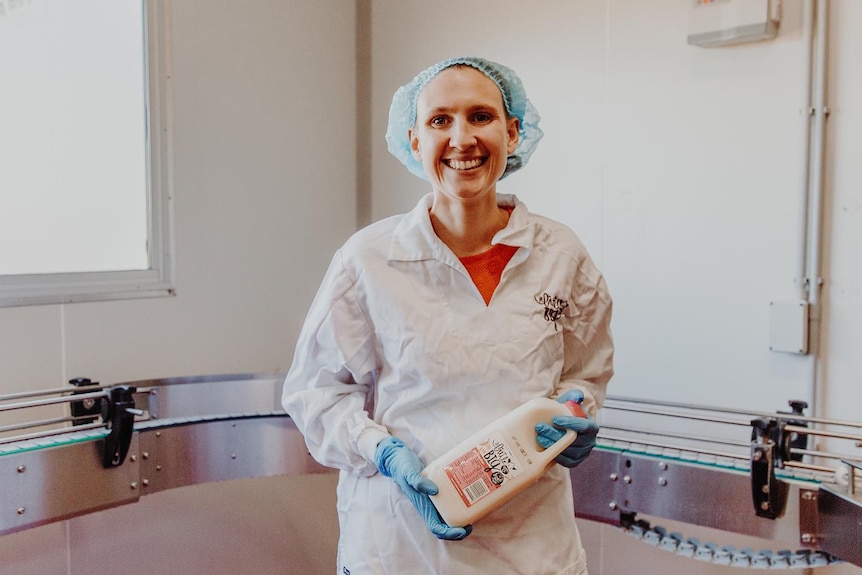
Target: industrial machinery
{"points": [[751, 473]]}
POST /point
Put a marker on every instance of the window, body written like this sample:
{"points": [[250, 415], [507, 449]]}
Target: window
{"points": [[85, 188]]}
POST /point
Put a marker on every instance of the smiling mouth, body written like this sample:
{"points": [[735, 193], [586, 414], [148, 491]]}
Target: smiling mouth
{"points": [[464, 164]]}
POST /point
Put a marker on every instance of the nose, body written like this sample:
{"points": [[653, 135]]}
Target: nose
{"points": [[461, 136]]}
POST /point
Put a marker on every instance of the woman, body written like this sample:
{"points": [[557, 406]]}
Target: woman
{"points": [[431, 324]]}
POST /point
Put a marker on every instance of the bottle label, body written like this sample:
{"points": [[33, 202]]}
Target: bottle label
{"points": [[483, 469]]}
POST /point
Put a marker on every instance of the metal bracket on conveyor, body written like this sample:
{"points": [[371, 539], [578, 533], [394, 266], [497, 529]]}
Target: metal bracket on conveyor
{"points": [[118, 412], [87, 410], [771, 446]]}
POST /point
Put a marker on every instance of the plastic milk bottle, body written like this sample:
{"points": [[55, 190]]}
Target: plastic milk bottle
{"points": [[496, 463]]}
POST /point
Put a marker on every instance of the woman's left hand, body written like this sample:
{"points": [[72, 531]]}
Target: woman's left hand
{"points": [[585, 427]]}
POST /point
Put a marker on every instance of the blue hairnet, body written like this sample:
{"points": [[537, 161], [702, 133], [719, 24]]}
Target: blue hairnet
{"points": [[402, 112]]}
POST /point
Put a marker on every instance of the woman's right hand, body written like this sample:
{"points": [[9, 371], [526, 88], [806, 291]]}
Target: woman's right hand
{"points": [[396, 460]]}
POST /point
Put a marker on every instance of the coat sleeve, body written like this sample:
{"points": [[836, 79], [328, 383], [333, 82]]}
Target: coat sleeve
{"points": [[333, 372], [588, 346]]}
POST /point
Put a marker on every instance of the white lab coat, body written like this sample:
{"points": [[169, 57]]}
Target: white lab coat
{"points": [[399, 328]]}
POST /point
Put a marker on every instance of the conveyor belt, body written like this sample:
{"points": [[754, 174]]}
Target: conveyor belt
{"points": [[189, 431], [748, 473], [814, 516]]}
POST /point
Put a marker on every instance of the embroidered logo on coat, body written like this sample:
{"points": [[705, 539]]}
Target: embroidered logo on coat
{"points": [[554, 307]]}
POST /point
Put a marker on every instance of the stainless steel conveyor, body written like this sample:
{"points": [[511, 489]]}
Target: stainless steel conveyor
{"points": [[753, 473]]}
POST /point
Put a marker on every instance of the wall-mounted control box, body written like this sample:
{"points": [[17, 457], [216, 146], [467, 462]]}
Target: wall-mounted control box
{"points": [[788, 326]]}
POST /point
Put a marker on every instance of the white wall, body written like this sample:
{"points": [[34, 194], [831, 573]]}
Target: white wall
{"points": [[843, 313], [264, 186], [679, 167]]}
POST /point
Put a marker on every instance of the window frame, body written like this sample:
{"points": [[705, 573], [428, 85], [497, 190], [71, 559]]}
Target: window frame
{"points": [[159, 279]]}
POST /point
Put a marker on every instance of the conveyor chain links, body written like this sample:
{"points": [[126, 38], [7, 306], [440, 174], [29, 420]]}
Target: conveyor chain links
{"points": [[709, 552]]}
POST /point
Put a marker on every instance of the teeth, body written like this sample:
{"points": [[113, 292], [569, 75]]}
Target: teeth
{"points": [[464, 165]]}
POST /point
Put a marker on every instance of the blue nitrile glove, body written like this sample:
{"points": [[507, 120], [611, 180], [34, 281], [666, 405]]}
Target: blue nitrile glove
{"points": [[587, 428], [397, 461]]}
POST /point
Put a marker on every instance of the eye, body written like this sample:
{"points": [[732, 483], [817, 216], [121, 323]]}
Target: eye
{"points": [[439, 121], [482, 117]]}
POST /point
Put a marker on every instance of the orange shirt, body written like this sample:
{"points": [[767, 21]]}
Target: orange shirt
{"points": [[487, 267]]}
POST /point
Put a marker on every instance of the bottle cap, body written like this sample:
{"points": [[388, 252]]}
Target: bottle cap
{"points": [[576, 409]]}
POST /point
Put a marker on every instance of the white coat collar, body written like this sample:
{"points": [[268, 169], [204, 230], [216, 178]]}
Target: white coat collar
{"points": [[414, 238]]}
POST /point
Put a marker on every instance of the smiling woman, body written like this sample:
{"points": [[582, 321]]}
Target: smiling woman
{"points": [[84, 189], [430, 324]]}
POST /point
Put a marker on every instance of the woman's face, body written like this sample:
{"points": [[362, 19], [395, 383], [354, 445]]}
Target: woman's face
{"points": [[462, 135]]}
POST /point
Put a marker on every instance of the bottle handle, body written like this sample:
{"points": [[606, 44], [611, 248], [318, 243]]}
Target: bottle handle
{"points": [[552, 452], [557, 448]]}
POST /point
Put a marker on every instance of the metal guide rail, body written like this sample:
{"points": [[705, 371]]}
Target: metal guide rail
{"points": [[751, 473]]}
